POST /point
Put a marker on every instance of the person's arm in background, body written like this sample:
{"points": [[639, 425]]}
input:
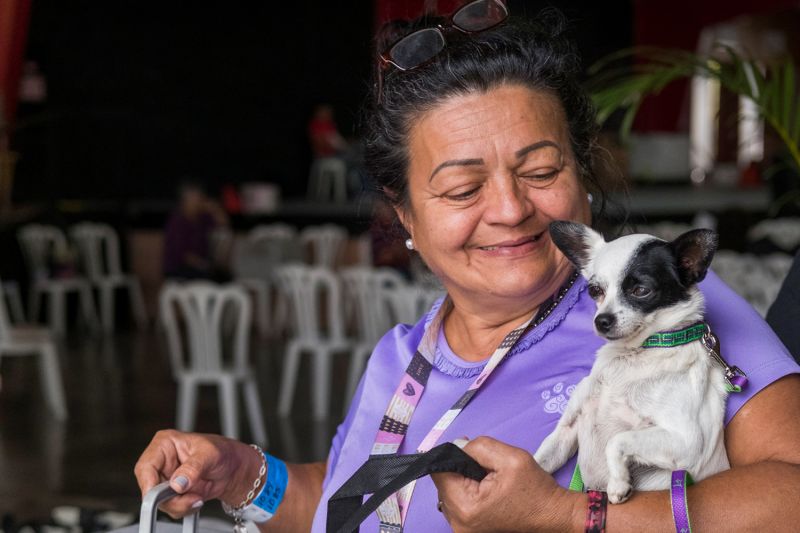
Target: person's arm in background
{"points": [[218, 214], [784, 314], [206, 467]]}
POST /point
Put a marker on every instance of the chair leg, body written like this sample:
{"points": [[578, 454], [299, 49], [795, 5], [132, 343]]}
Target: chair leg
{"points": [[359, 360], [15, 304], [33, 304], [254, 412], [291, 364], [106, 307], [262, 311], [321, 383], [50, 376], [228, 408], [280, 322], [58, 312], [137, 304], [187, 405], [88, 309]]}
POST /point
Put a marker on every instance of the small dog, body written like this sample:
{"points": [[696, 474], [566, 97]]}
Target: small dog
{"points": [[642, 412]]}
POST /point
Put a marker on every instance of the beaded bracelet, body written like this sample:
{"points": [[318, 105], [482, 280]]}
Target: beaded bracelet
{"points": [[596, 513]]}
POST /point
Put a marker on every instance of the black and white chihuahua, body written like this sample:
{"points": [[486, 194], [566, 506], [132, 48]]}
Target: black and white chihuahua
{"points": [[641, 412]]}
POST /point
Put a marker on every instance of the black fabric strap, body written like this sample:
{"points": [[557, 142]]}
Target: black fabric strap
{"points": [[383, 475]]}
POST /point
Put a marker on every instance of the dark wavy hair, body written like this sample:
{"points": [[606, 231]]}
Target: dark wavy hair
{"points": [[535, 54]]}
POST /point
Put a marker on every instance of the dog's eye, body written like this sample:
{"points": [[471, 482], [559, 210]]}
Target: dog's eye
{"points": [[595, 292], [640, 291]]}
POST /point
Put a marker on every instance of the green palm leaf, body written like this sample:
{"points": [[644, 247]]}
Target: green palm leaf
{"points": [[646, 71]]}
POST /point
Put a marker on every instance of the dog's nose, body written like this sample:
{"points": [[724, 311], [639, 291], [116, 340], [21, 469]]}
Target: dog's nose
{"points": [[604, 322]]}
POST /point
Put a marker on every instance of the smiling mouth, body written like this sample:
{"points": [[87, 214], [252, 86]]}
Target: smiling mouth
{"points": [[513, 244]]}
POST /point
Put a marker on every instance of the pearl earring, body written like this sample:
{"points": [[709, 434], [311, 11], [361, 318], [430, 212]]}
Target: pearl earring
{"points": [[589, 197], [409, 244]]}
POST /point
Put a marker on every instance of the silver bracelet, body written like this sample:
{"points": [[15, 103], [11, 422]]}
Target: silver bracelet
{"points": [[237, 512]]}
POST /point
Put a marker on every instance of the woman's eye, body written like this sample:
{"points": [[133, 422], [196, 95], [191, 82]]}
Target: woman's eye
{"points": [[466, 195], [595, 292], [540, 176], [640, 291]]}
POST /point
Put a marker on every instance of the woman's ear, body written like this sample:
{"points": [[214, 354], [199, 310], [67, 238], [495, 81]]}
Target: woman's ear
{"points": [[405, 218]]}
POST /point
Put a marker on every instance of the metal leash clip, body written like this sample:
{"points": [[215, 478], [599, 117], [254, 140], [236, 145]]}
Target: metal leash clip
{"points": [[734, 375]]}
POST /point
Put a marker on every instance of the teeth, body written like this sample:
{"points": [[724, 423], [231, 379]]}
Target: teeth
{"points": [[488, 248]]}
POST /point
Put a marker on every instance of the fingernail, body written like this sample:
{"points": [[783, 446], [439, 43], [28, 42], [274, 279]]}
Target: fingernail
{"points": [[198, 504], [181, 481]]}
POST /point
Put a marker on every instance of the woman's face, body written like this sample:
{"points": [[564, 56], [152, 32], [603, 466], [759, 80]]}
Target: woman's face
{"points": [[487, 174]]}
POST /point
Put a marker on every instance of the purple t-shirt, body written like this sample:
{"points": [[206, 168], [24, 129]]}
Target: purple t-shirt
{"points": [[183, 236], [523, 399]]}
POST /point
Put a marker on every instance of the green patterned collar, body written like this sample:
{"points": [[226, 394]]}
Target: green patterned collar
{"points": [[669, 339]]}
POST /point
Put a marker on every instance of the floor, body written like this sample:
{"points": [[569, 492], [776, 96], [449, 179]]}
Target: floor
{"points": [[120, 392]]}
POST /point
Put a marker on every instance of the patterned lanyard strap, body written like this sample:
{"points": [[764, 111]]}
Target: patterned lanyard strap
{"points": [[394, 425]]}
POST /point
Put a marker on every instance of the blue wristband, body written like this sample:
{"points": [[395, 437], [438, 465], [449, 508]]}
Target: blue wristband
{"points": [[271, 494]]}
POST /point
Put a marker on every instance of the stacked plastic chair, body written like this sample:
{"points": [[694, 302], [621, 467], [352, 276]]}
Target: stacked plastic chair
{"points": [[197, 352], [313, 293], [40, 244], [98, 246], [365, 286], [33, 341]]}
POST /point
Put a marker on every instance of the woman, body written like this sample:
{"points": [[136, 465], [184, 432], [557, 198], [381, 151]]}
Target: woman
{"points": [[479, 148]]}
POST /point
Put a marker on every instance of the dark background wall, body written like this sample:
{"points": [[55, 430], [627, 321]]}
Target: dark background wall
{"points": [[140, 94]]}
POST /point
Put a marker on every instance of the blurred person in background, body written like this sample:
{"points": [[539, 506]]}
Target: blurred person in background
{"points": [[324, 136], [187, 236]]}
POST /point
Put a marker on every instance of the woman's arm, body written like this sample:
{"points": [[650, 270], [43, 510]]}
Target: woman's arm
{"points": [[206, 467], [759, 492]]}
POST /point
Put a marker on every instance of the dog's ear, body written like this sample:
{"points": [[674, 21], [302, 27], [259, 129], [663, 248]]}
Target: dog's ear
{"points": [[693, 251], [576, 241]]}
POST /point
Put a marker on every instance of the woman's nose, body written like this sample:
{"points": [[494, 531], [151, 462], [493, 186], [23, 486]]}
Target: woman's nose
{"points": [[508, 203]]}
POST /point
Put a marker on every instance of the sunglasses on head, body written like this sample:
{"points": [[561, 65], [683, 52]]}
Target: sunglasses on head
{"points": [[421, 46]]}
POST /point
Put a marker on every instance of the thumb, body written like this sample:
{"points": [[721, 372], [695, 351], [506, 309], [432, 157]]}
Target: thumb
{"points": [[187, 475]]}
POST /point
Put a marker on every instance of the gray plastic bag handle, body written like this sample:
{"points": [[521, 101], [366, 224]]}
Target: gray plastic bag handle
{"points": [[155, 496]]}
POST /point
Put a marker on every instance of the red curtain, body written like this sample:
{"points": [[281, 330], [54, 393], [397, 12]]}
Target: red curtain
{"points": [[386, 10], [14, 19]]}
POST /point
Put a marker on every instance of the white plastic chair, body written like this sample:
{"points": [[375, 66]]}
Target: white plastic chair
{"points": [[272, 245], [326, 243], [365, 286], [407, 304], [196, 354], [39, 243], [307, 289], [327, 180], [98, 246], [37, 342]]}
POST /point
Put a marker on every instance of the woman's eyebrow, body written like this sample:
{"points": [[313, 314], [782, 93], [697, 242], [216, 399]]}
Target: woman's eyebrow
{"points": [[455, 163], [522, 152]]}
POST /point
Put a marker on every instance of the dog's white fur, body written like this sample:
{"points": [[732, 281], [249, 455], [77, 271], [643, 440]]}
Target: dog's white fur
{"points": [[641, 413]]}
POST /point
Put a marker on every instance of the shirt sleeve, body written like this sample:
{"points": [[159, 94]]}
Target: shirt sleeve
{"points": [[746, 341]]}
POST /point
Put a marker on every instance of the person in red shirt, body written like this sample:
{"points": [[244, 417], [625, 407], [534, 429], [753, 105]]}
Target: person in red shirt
{"points": [[326, 141]]}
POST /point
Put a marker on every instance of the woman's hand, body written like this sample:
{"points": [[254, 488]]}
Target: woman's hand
{"points": [[516, 495], [199, 467]]}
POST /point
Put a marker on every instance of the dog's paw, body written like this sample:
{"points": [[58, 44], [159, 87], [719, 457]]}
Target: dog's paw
{"points": [[545, 461], [619, 490]]}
